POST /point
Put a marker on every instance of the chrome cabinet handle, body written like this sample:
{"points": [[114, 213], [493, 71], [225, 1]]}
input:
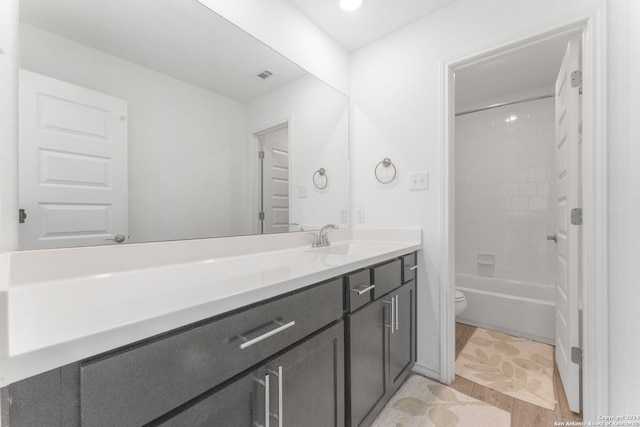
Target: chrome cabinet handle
{"points": [[265, 384], [392, 317], [282, 327], [266, 400], [554, 238], [278, 374], [362, 291], [397, 312], [413, 268], [280, 399]]}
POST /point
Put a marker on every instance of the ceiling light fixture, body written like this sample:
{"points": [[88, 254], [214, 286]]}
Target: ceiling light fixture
{"points": [[350, 5]]}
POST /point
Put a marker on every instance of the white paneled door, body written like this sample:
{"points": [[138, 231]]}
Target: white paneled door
{"points": [[274, 145], [567, 184], [72, 165]]}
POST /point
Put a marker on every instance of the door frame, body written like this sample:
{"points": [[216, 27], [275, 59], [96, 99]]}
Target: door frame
{"points": [[254, 176], [594, 190]]}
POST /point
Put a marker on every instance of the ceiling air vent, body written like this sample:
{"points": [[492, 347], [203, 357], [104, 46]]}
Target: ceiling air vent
{"points": [[265, 74]]}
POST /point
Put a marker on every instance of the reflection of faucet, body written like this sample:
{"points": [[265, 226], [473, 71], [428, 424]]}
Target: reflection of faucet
{"points": [[295, 225], [323, 240]]}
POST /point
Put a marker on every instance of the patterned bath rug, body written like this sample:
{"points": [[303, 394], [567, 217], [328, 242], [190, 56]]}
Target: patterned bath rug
{"points": [[421, 402], [516, 367]]}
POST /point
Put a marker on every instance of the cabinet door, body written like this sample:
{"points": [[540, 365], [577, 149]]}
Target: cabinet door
{"points": [[367, 359], [239, 404], [307, 382], [401, 336]]}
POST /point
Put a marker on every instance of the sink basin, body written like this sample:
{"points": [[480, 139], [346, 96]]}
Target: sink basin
{"points": [[344, 249]]}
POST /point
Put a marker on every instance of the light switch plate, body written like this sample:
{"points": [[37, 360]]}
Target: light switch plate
{"points": [[419, 181]]}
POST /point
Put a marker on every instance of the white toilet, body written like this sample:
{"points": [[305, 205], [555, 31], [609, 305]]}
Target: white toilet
{"points": [[461, 302]]}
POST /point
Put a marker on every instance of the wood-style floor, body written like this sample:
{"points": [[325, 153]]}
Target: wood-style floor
{"points": [[523, 414]]}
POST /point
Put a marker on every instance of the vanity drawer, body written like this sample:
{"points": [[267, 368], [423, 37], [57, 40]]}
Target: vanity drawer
{"points": [[387, 277], [359, 289], [409, 267], [135, 386]]}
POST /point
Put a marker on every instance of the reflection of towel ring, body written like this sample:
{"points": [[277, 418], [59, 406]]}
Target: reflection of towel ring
{"points": [[321, 173], [386, 162]]}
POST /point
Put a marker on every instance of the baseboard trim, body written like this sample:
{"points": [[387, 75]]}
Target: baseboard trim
{"points": [[427, 372]]}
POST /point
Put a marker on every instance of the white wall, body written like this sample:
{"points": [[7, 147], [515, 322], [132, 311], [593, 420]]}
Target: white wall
{"points": [[504, 193], [397, 93], [284, 28], [318, 135], [186, 166]]}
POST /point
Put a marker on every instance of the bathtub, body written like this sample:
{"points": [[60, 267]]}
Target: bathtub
{"points": [[521, 309]]}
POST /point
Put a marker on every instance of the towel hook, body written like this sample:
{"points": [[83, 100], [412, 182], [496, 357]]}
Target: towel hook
{"points": [[386, 162], [317, 175]]}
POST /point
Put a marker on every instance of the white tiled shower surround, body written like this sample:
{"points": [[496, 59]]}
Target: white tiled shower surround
{"points": [[504, 163]]}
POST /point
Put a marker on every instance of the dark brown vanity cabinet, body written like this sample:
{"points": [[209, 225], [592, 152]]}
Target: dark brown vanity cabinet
{"points": [[381, 341], [137, 385], [302, 387]]}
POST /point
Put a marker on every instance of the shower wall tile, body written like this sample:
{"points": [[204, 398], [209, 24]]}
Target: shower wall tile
{"points": [[504, 191], [528, 189]]}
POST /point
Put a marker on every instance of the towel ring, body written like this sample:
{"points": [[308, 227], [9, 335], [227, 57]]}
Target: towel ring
{"points": [[320, 173], [386, 162]]}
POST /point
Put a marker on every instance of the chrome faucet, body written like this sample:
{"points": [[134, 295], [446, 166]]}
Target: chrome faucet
{"points": [[322, 239]]}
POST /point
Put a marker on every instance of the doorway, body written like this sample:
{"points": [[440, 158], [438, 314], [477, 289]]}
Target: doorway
{"points": [[512, 257], [593, 269], [273, 179]]}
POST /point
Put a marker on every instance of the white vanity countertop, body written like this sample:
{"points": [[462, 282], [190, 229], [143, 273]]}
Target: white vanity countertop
{"points": [[51, 323]]}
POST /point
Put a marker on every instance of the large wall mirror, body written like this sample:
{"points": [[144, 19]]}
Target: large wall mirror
{"points": [[153, 120]]}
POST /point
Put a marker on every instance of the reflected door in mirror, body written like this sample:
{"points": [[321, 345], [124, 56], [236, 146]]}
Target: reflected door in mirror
{"points": [[274, 165], [73, 164]]}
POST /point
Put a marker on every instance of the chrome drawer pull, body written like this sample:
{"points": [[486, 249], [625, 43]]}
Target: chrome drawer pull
{"points": [[264, 336], [362, 291], [413, 268]]}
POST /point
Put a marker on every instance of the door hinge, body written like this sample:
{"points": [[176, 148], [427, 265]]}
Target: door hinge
{"points": [[576, 79], [261, 155], [22, 216], [261, 216], [576, 355], [576, 216]]}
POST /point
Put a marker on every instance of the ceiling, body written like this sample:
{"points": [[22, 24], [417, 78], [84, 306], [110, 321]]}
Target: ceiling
{"points": [[182, 39], [374, 20], [530, 67]]}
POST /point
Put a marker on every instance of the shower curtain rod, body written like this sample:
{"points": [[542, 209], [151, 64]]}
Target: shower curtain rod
{"points": [[503, 104]]}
